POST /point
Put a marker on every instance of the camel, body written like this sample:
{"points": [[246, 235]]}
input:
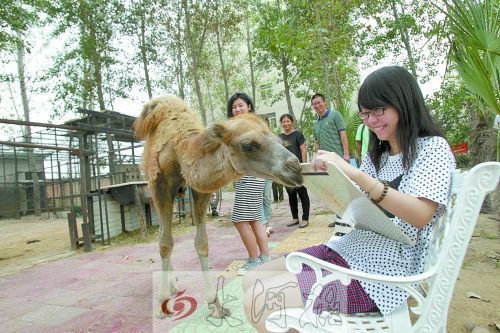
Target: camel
{"points": [[179, 151]]}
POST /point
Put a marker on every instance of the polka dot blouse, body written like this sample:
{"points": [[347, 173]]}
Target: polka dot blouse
{"points": [[428, 177]]}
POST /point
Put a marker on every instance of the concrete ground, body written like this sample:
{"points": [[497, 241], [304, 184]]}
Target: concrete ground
{"points": [[113, 291]]}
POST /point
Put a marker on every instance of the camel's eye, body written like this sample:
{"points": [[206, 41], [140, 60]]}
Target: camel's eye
{"points": [[248, 147]]}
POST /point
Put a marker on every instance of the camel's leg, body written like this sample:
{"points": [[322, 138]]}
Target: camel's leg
{"points": [[163, 195], [199, 206]]}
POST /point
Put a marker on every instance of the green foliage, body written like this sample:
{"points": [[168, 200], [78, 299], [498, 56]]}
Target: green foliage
{"points": [[349, 111], [463, 161], [306, 127], [314, 40], [475, 32], [475, 28], [384, 26], [17, 16], [88, 69], [452, 107], [313, 45]]}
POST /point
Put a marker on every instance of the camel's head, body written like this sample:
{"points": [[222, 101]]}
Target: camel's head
{"points": [[255, 150]]}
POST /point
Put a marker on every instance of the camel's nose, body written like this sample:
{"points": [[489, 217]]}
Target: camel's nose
{"points": [[292, 164]]}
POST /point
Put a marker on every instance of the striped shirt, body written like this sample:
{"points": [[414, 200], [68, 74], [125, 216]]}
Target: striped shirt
{"points": [[248, 199]]}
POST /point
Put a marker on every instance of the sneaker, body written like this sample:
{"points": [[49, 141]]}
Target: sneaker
{"points": [[264, 259], [248, 265]]}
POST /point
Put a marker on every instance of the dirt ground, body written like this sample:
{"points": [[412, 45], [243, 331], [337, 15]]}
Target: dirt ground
{"points": [[32, 241]]}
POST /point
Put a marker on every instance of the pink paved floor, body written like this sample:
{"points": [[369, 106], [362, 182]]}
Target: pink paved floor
{"points": [[111, 291]]}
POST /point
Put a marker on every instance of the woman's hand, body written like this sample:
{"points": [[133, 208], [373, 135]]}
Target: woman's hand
{"points": [[319, 163], [416, 211]]}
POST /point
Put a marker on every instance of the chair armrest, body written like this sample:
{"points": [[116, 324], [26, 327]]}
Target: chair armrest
{"points": [[295, 260]]}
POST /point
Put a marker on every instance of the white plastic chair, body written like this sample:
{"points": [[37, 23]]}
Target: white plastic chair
{"points": [[432, 290]]}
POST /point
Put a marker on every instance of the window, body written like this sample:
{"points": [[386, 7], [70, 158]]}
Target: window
{"points": [[40, 174], [271, 117], [266, 91]]}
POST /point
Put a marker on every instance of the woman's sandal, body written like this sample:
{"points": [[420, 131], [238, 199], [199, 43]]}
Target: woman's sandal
{"points": [[294, 222], [304, 224]]}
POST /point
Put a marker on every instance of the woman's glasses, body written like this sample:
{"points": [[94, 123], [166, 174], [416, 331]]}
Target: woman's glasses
{"points": [[374, 113]]}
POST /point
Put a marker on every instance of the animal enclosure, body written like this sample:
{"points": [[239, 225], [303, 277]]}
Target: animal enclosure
{"points": [[54, 169]]}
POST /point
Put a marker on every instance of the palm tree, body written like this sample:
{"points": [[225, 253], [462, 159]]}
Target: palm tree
{"points": [[475, 32]]}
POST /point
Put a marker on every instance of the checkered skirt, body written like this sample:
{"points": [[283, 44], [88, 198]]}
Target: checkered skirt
{"points": [[335, 296]]}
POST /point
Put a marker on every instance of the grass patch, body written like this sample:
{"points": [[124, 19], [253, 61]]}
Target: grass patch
{"points": [[179, 229], [488, 235], [467, 264]]}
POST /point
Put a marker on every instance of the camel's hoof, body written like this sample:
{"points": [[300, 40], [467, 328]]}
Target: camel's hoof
{"points": [[165, 308], [159, 312]]}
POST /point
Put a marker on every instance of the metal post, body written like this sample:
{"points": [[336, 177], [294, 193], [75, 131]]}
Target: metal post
{"points": [[16, 186], [83, 183]]}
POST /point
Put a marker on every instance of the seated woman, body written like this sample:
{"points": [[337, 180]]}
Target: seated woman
{"points": [[407, 172]]}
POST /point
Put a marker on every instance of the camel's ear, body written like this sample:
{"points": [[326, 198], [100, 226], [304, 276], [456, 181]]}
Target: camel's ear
{"points": [[217, 131], [212, 138]]}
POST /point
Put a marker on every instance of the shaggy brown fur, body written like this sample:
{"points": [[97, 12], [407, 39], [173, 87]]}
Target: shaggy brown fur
{"points": [[179, 151]]}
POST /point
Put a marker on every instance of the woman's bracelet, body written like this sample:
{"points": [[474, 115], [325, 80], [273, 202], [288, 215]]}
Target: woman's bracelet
{"points": [[383, 194]]}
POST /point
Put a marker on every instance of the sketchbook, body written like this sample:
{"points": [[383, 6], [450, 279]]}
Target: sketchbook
{"points": [[339, 192]]}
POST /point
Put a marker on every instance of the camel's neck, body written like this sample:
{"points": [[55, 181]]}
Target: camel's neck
{"points": [[206, 163]]}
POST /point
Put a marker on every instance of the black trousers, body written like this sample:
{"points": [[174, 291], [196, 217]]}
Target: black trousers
{"points": [[277, 191], [294, 205]]}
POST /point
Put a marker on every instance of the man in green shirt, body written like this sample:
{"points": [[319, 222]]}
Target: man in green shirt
{"points": [[362, 140], [329, 134], [329, 129]]}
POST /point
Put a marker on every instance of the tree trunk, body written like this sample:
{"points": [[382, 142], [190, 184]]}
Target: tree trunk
{"points": [[337, 86], [250, 60], [26, 111], [179, 67], [222, 66], [324, 61], [194, 53], [406, 40], [199, 95], [96, 61], [284, 70], [144, 55]]}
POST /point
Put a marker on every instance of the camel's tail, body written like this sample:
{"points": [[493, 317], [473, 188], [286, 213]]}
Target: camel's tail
{"points": [[153, 113]]}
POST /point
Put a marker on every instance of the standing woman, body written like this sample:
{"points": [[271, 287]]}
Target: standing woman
{"points": [[295, 142], [248, 199]]}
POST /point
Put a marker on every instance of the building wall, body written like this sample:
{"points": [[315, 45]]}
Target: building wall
{"points": [[8, 168], [114, 217], [268, 87]]}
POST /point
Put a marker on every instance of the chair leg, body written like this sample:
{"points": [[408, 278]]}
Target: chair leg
{"points": [[399, 319]]}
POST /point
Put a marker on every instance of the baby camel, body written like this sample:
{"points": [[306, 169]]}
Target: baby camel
{"points": [[178, 151]]}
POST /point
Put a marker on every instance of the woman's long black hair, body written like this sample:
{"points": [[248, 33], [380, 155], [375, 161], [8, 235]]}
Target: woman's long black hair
{"points": [[395, 86]]}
